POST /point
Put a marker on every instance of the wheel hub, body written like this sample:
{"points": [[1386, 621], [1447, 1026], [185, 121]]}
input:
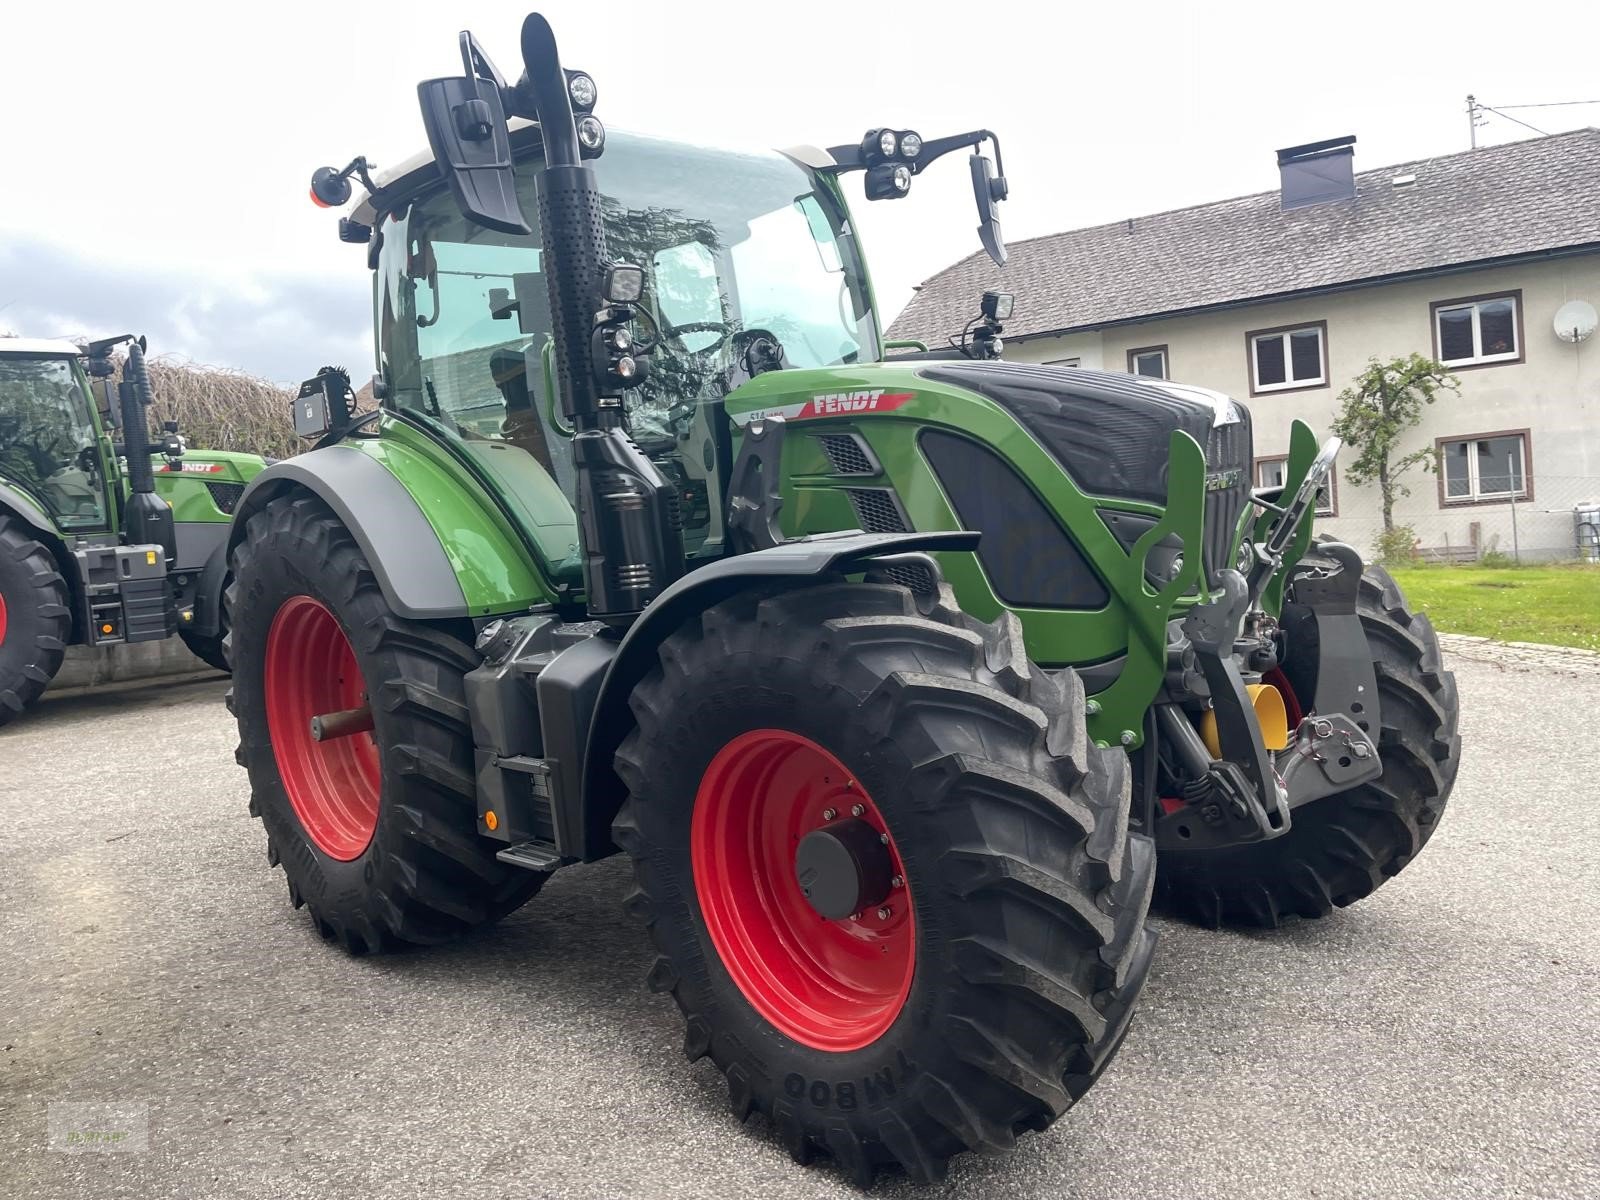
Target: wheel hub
{"points": [[843, 868]]}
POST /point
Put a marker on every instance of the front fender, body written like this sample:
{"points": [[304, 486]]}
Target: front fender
{"points": [[598, 790]]}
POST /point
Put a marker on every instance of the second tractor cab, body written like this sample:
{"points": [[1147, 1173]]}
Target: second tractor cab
{"points": [[650, 546], [102, 542]]}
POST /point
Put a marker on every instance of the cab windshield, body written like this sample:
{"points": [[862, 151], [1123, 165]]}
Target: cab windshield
{"points": [[729, 242], [48, 441]]}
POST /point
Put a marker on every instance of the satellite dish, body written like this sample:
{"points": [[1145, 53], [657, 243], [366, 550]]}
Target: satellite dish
{"points": [[1575, 321]]}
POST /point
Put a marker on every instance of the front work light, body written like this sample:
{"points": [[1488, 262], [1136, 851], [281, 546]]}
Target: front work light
{"points": [[888, 181], [591, 136], [997, 305], [624, 283], [910, 144], [582, 90]]}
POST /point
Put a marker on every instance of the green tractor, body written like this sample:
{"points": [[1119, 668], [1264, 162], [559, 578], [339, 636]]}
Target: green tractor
{"points": [[894, 677], [101, 543]]}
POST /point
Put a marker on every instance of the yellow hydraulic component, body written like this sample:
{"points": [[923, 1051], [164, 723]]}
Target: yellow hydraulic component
{"points": [[1270, 714]]}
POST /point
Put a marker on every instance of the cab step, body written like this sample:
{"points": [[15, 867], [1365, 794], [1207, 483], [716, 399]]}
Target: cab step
{"points": [[532, 856]]}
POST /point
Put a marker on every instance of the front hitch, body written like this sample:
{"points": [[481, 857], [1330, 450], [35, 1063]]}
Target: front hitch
{"points": [[1249, 793]]}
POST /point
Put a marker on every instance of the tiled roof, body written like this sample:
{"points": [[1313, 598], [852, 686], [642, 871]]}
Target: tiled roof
{"points": [[1513, 199]]}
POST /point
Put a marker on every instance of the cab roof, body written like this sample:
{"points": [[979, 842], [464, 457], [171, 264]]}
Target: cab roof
{"points": [[38, 347], [363, 209]]}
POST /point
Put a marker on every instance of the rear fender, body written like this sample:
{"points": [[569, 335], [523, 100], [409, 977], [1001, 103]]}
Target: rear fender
{"points": [[595, 791]]}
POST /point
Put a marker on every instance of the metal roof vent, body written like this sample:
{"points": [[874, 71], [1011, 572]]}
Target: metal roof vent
{"points": [[1318, 172]]}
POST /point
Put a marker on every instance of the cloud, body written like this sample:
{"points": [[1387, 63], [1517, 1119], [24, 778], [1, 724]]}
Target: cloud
{"points": [[280, 326]]}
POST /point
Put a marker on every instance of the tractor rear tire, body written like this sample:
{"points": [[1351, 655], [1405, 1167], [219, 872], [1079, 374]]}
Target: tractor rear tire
{"points": [[376, 832], [35, 620], [1343, 847], [981, 993]]}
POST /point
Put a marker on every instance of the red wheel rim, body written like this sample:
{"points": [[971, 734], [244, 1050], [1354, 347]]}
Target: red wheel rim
{"points": [[333, 785], [2, 620], [830, 985]]}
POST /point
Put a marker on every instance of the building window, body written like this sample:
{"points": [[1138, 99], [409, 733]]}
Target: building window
{"points": [[1270, 474], [1288, 359], [1487, 469], [1151, 362], [1478, 331]]}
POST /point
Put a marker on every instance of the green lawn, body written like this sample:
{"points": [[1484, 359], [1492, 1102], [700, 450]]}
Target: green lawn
{"points": [[1559, 605]]}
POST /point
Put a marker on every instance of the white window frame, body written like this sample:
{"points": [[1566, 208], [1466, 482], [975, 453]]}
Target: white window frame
{"points": [[1289, 383], [1281, 461], [1474, 494], [1478, 357], [1148, 352]]}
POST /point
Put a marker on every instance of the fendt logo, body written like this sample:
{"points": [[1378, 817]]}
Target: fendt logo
{"points": [[844, 403], [830, 404]]}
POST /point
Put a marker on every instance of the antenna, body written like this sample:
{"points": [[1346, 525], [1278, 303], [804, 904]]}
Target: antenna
{"points": [[1575, 321]]}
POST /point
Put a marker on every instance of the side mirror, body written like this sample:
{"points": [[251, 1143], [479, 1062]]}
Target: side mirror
{"points": [[466, 125], [988, 189]]}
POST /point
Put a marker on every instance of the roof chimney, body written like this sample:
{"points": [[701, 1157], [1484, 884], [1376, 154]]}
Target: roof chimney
{"points": [[1318, 172]]}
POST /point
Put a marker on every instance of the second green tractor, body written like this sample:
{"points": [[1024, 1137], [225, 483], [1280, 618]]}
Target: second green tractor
{"points": [[906, 681]]}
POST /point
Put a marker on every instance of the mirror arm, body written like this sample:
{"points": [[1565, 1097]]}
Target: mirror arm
{"points": [[849, 158]]}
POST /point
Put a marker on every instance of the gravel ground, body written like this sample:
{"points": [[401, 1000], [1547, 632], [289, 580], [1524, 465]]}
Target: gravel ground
{"points": [[1435, 1040]]}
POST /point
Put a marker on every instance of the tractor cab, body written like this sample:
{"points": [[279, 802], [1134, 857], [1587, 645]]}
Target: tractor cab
{"points": [[750, 265], [50, 435]]}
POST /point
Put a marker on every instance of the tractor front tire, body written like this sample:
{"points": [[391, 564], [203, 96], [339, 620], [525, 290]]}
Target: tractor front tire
{"points": [[990, 972], [1343, 847], [376, 831], [35, 621], [208, 648]]}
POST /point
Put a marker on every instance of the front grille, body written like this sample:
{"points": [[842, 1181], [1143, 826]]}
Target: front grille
{"points": [[877, 510], [847, 455], [1228, 449], [225, 495]]}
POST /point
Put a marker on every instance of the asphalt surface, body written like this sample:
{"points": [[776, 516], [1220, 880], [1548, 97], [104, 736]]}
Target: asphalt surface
{"points": [[1436, 1040]]}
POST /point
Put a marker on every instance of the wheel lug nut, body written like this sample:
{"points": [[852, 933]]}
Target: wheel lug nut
{"points": [[829, 814], [883, 913], [897, 882], [884, 838], [857, 809]]}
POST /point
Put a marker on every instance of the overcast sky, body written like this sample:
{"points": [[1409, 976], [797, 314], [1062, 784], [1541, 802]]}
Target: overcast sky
{"points": [[156, 157]]}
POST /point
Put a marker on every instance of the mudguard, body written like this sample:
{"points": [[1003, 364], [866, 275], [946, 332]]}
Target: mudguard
{"points": [[597, 790], [18, 502], [411, 567], [208, 591]]}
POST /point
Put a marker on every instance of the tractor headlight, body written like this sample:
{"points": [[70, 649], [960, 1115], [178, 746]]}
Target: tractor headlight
{"points": [[910, 144], [582, 90], [625, 367], [888, 181], [886, 142], [591, 136]]}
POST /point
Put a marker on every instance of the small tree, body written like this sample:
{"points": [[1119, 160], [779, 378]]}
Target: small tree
{"points": [[1376, 411]]}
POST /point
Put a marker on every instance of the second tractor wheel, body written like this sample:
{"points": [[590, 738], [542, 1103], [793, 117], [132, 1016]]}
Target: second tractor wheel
{"points": [[35, 622], [1341, 848], [889, 879], [375, 821], [208, 648]]}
